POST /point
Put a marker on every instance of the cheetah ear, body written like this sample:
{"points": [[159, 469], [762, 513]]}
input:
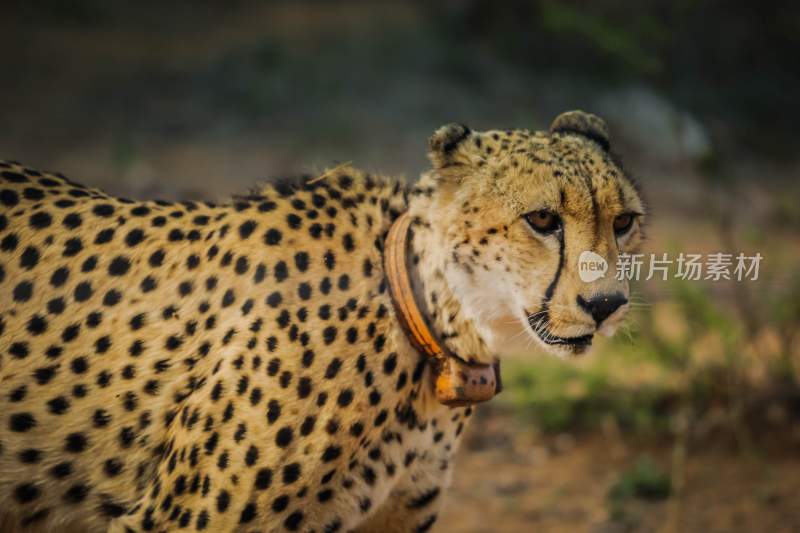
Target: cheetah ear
{"points": [[445, 146], [584, 124]]}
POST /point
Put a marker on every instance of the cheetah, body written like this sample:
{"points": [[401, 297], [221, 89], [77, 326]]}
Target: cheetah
{"points": [[248, 367]]}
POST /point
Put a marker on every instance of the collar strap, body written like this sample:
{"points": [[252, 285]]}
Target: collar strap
{"points": [[456, 382]]}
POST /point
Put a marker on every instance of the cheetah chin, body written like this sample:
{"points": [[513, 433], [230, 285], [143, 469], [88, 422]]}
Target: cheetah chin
{"points": [[541, 331]]}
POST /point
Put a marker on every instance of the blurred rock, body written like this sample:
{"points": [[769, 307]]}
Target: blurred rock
{"points": [[641, 118]]}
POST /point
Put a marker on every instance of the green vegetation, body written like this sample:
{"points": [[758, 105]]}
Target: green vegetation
{"points": [[625, 44], [689, 352], [644, 480], [561, 395]]}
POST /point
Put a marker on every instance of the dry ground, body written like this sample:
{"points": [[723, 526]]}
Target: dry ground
{"points": [[510, 480]]}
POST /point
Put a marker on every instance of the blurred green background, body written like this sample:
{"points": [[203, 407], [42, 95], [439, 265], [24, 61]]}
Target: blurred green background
{"points": [[689, 420]]}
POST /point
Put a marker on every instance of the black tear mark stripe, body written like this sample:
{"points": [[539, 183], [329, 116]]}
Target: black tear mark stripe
{"points": [[544, 314], [551, 289], [544, 319]]}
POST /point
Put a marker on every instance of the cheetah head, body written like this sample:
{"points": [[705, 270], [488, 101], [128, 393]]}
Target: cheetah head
{"points": [[515, 212]]}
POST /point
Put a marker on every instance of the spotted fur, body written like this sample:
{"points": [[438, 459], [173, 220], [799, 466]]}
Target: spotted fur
{"points": [[239, 367]]}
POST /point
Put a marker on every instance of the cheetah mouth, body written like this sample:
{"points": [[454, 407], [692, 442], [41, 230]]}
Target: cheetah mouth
{"points": [[539, 327]]}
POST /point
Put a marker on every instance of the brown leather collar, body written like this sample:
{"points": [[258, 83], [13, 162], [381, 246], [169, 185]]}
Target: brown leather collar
{"points": [[457, 382]]}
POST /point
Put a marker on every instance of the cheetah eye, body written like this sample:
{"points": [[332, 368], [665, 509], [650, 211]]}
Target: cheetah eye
{"points": [[543, 221], [623, 223]]}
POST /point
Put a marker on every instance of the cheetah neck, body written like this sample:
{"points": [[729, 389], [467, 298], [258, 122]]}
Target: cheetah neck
{"points": [[445, 315]]}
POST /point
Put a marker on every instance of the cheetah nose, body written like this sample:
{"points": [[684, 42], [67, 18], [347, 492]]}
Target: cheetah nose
{"points": [[602, 306]]}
